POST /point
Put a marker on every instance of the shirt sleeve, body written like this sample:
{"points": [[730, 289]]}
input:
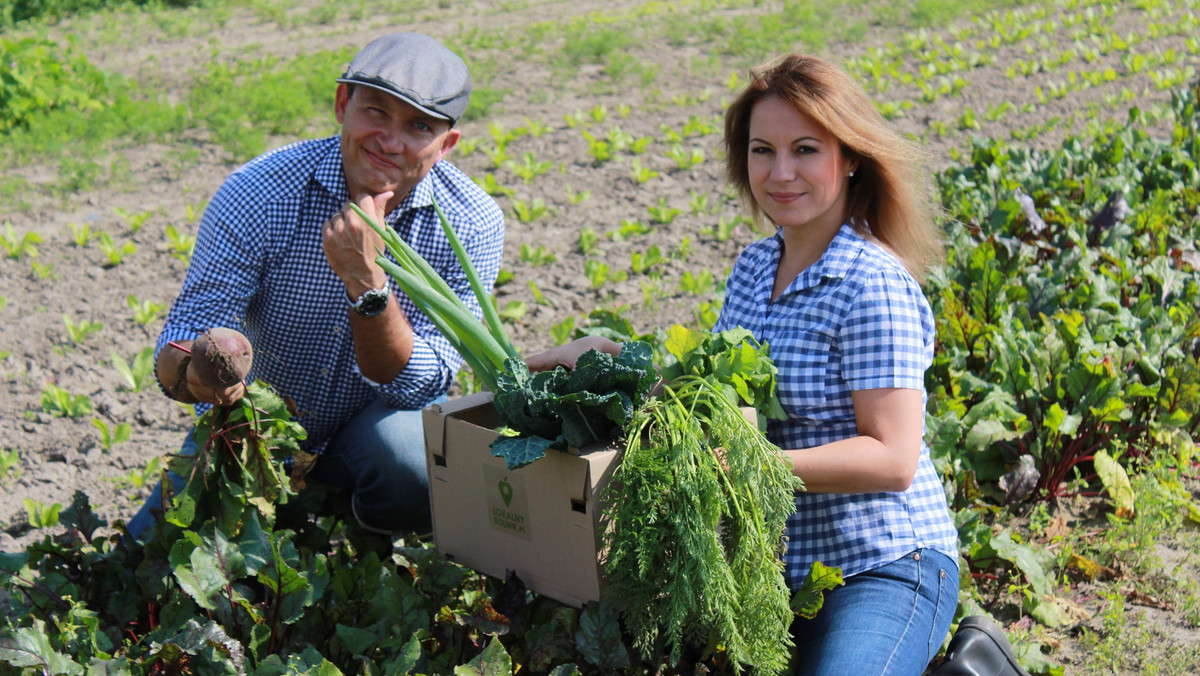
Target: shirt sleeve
{"points": [[886, 340], [223, 273], [433, 363]]}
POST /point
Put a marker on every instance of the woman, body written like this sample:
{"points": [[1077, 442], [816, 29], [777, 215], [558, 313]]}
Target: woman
{"points": [[835, 294]]}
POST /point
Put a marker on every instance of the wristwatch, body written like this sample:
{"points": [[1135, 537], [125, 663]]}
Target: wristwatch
{"points": [[372, 302]]}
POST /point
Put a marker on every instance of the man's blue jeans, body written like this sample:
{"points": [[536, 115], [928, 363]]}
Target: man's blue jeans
{"points": [[378, 457], [888, 621]]}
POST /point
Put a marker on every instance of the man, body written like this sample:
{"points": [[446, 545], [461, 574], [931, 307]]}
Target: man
{"points": [[281, 256]]}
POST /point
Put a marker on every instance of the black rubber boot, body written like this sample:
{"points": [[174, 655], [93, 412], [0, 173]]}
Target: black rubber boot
{"points": [[979, 648]]}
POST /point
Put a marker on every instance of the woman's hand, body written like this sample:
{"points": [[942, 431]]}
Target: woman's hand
{"points": [[566, 355]]}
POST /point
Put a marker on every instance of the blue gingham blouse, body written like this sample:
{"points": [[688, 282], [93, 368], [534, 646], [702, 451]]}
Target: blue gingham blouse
{"points": [[854, 320], [259, 267]]}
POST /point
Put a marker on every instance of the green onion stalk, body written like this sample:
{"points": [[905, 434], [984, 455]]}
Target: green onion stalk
{"points": [[484, 345]]}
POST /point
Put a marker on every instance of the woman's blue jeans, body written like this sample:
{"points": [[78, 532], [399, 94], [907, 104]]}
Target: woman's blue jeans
{"points": [[378, 456], [888, 621]]}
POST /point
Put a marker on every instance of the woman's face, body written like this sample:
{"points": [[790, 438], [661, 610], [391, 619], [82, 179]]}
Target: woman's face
{"points": [[797, 172]]}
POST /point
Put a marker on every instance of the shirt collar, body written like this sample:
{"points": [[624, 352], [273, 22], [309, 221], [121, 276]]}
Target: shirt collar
{"points": [[834, 263]]}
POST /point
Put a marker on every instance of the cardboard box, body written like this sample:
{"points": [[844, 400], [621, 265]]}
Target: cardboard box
{"points": [[542, 521]]}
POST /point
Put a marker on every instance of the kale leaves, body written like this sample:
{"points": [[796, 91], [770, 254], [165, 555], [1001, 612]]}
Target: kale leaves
{"points": [[593, 403]]}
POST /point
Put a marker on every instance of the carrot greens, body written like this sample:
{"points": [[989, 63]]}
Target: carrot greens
{"points": [[697, 509]]}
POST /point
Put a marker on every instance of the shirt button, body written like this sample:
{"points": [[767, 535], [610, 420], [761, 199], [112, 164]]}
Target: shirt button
{"points": [[324, 372], [337, 328]]}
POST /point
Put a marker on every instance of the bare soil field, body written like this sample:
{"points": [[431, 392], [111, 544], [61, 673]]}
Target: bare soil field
{"points": [[62, 455]]}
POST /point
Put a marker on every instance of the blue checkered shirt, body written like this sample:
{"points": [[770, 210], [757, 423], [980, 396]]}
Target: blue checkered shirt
{"points": [[854, 320], [259, 267]]}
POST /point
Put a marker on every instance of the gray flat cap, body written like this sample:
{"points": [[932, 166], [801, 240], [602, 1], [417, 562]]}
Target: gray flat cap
{"points": [[418, 70]]}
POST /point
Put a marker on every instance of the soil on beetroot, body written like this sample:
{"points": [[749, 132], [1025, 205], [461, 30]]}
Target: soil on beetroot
{"points": [[60, 455]]}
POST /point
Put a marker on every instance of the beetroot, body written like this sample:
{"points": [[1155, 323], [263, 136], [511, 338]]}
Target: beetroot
{"points": [[222, 357]]}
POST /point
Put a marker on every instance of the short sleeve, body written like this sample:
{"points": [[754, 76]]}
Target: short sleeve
{"points": [[887, 338]]}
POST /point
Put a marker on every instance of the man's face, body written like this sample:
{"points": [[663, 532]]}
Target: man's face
{"points": [[386, 143]]}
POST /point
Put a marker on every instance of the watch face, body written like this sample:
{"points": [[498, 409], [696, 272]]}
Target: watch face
{"points": [[372, 302]]}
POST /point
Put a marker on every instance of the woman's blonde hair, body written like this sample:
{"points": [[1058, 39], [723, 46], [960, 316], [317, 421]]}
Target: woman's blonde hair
{"points": [[890, 194]]}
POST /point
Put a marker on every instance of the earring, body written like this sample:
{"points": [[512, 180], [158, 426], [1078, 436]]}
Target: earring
{"points": [[851, 174]]}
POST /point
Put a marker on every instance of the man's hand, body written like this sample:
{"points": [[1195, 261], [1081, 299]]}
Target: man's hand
{"points": [[176, 373], [351, 245]]}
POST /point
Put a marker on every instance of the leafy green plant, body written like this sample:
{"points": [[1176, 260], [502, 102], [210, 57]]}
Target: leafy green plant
{"points": [[466, 146], [628, 229], [685, 159], [134, 220], [598, 273], [662, 212], [58, 402], [80, 234], [536, 127], [113, 252], [530, 167], [530, 211], [1087, 353], [145, 311], [42, 76], [591, 403], [707, 313], [497, 154], [683, 249], [578, 197], [561, 331], [588, 240], [699, 126], [41, 515], [110, 437], [181, 243], [968, 119], [502, 136], [139, 479], [696, 284], [728, 225], [600, 149], [191, 212], [642, 261], [575, 118], [732, 593], [538, 296], [18, 246], [42, 271], [512, 311], [135, 374], [492, 187], [537, 256], [10, 464], [78, 333], [641, 173]]}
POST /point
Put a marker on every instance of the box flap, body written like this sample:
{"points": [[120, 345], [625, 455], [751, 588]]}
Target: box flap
{"points": [[433, 419]]}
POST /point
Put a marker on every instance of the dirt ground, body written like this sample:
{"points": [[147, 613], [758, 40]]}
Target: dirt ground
{"points": [[62, 455]]}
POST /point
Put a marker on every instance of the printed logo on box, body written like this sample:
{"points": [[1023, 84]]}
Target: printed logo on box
{"points": [[508, 508]]}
